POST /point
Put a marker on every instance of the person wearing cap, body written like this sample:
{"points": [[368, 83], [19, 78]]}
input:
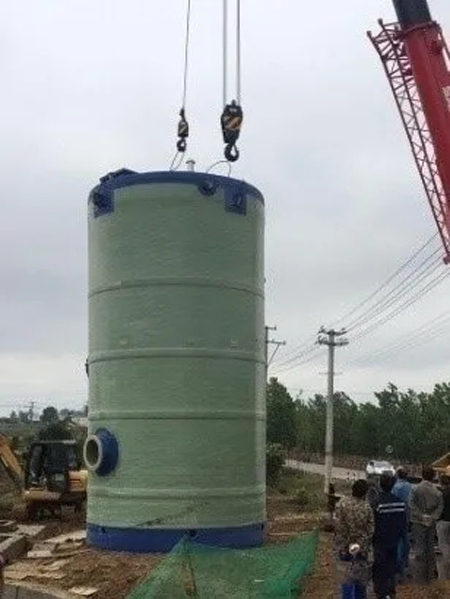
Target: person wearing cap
{"points": [[426, 504], [443, 530], [402, 490], [390, 527]]}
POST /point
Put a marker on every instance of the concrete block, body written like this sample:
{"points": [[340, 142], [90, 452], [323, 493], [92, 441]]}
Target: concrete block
{"points": [[12, 546], [32, 591], [8, 526]]}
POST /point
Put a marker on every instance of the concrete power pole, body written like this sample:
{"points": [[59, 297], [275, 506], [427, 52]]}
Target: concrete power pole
{"points": [[31, 410], [268, 342], [331, 338]]}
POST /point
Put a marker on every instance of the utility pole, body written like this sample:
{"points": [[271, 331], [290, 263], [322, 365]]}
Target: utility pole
{"points": [[268, 342], [31, 411], [332, 339]]}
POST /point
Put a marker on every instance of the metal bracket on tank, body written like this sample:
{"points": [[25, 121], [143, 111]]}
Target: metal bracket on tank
{"points": [[207, 187], [236, 199], [103, 200], [235, 196], [103, 203]]}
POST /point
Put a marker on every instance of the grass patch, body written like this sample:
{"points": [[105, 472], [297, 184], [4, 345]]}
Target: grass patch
{"points": [[302, 490]]}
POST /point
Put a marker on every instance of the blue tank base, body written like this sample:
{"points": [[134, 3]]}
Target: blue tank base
{"points": [[162, 540]]}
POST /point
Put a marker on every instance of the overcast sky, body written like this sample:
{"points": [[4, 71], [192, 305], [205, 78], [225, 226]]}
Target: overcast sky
{"points": [[89, 87]]}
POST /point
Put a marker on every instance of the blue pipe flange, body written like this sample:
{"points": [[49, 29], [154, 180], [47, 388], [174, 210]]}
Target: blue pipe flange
{"points": [[101, 452]]}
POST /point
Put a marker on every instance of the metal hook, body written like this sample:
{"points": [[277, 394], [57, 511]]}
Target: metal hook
{"points": [[231, 153]]}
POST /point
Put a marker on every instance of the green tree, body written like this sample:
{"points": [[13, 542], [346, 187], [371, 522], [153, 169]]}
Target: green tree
{"points": [[49, 415], [281, 415]]}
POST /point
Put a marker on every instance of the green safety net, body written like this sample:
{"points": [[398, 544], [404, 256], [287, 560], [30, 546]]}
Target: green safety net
{"points": [[193, 570]]}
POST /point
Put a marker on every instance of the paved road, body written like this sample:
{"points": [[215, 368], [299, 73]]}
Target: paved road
{"points": [[340, 473]]}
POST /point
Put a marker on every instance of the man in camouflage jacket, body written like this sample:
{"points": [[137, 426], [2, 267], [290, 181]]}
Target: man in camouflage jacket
{"points": [[354, 532]]}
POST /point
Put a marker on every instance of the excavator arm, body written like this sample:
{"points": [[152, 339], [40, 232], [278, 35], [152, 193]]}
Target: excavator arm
{"points": [[11, 463]]}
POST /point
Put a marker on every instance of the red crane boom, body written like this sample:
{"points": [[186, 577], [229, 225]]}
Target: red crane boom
{"points": [[416, 60]]}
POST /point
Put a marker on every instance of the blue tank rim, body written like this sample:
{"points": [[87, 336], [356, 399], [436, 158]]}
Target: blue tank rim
{"points": [[126, 178], [163, 540]]}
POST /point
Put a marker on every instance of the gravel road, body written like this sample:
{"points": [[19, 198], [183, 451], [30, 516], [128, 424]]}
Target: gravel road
{"points": [[339, 473]]}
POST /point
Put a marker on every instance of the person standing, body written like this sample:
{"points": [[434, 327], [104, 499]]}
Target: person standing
{"points": [[354, 531], [390, 527], [402, 490], [443, 530], [426, 505]]}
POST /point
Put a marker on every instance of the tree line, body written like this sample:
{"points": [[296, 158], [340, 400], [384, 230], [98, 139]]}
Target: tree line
{"points": [[414, 425]]}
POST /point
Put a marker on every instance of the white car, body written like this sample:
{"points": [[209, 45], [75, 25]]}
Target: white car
{"points": [[377, 468]]}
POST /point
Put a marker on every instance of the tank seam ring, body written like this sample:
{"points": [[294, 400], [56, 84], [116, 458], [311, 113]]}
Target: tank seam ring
{"points": [[191, 353], [176, 281], [176, 415]]}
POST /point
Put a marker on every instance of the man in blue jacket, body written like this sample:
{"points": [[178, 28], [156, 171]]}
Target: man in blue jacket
{"points": [[402, 490], [390, 527]]}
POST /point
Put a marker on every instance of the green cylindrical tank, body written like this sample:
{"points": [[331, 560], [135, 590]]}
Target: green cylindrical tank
{"points": [[176, 361]]}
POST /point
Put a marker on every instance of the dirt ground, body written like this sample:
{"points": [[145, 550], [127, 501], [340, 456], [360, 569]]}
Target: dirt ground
{"points": [[116, 574]]}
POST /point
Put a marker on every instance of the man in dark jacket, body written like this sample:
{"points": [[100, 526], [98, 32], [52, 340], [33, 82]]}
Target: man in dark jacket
{"points": [[390, 527], [443, 530]]}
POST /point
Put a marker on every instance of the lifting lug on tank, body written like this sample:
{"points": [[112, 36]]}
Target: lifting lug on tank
{"points": [[183, 132], [231, 122]]}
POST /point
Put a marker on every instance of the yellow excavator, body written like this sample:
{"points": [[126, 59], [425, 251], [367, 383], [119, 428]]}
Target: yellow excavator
{"points": [[53, 476]]}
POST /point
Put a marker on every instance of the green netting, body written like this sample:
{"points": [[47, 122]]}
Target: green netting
{"points": [[193, 570]]}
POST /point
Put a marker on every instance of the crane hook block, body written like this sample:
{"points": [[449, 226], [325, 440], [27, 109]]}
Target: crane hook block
{"points": [[231, 121], [183, 132]]}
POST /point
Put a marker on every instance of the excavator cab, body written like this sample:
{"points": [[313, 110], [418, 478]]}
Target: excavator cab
{"points": [[53, 477]]}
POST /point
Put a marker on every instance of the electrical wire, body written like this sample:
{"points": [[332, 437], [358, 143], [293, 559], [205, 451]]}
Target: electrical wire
{"points": [[424, 333], [406, 285], [405, 288], [409, 302], [389, 280], [314, 356]]}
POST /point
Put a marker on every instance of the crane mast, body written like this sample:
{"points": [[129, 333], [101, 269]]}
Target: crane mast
{"points": [[416, 60]]}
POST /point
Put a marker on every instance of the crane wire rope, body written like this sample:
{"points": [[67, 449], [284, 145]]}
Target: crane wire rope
{"points": [[232, 115], [183, 125], [238, 52]]}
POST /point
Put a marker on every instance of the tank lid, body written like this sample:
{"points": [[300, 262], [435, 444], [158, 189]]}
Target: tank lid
{"points": [[236, 192], [125, 178]]}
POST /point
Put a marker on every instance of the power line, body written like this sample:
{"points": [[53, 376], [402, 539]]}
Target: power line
{"points": [[405, 286], [423, 334], [409, 302], [306, 352], [389, 280]]}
